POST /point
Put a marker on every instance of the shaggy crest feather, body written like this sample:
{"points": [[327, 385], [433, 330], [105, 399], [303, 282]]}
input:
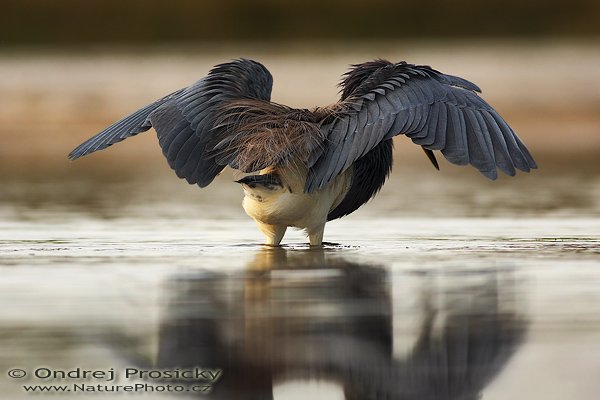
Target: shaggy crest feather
{"points": [[265, 134]]}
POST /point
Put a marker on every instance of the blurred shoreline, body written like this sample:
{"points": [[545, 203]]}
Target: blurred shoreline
{"points": [[549, 92]]}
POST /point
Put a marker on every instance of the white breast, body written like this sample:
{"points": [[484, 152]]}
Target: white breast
{"points": [[290, 206]]}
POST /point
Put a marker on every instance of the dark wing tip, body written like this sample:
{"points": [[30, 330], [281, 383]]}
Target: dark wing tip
{"points": [[130, 125], [431, 157], [88, 147], [491, 174], [78, 152]]}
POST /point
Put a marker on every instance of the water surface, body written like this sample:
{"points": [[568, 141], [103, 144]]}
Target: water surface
{"points": [[401, 308]]}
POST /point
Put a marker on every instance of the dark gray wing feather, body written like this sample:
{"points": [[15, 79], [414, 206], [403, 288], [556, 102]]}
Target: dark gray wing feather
{"points": [[437, 111], [131, 125], [368, 176], [186, 121]]}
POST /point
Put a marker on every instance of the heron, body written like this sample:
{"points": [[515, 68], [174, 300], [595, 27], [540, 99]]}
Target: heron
{"points": [[305, 167]]}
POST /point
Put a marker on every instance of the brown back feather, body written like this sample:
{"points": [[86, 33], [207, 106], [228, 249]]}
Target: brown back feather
{"points": [[261, 134]]}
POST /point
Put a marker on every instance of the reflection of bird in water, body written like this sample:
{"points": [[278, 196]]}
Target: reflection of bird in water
{"points": [[313, 317], [307, 167]]}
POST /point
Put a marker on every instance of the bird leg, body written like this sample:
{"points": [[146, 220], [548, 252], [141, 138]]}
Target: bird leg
{"points": [[315, 234], [273, 233]]}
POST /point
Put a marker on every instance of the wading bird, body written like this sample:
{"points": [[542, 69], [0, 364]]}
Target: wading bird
{"points": [[307, 167]]}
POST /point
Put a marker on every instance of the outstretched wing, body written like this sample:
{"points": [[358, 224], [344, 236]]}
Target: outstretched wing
{"points": [[187, 121], [437, 111], [131, 125]]}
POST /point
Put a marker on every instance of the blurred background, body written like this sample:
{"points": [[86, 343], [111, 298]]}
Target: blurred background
{"points": [[70, 68], [445, 286]]}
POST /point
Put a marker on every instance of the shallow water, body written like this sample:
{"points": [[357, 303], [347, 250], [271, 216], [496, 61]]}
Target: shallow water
{"points": [[401, 308]]}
